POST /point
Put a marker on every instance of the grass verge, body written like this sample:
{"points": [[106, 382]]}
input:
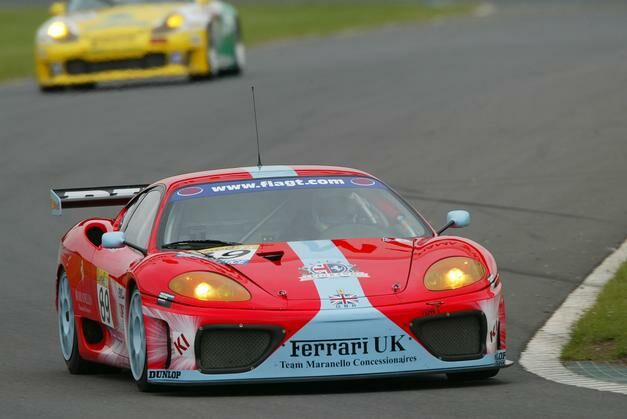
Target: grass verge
{"points": [[17, 40], [267, 22], [601, 334], [261, 22]]}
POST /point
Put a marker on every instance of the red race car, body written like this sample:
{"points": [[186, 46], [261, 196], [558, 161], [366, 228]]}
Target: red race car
{"points": [[273, 273]]}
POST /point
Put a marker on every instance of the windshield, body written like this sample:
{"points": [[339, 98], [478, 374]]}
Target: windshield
{"points": [[286, 209], [80, 5]]}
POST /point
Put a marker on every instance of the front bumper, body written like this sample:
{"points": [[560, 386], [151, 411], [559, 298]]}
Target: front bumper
{"points": [[81, 62], [324, 345]]}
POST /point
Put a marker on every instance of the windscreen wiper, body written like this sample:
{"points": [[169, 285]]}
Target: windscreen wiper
{"points": [[198, 244]]}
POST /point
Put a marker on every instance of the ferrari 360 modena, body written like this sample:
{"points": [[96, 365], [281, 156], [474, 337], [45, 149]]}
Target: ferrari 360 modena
{"points": [[273, 273]]}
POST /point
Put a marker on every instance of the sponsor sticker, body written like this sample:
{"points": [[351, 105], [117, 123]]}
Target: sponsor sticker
{"points": [[83, 297], [343, 299], [330, 270], [346, 347], [493, 331], [348, 352], [181, 344], [164, 374], [363, 181], [119, 298], [500, 357], [190, 191], [232, 255]]}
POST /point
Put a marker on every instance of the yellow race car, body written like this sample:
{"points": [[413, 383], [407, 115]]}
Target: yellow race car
{"points": [[91, 41]]}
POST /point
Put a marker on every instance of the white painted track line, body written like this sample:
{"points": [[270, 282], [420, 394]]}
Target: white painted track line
{"points": [[542, 355]]}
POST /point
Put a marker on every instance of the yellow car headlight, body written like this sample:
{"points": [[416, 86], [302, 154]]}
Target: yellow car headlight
{"points": [[209, 286], [174, 21], [59, 30], [452, 273]]}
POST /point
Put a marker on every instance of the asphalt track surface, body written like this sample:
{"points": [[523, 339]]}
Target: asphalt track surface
{"points": [[518, 117]]}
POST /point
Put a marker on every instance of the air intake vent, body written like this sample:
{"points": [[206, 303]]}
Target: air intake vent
{"points": [[231, 348], [148, 61], [453, 337]]}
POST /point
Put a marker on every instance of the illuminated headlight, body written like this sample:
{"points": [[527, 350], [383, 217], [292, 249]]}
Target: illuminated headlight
{"points": [[452, 273], [209, 286], [174, 21], [59, 31]]}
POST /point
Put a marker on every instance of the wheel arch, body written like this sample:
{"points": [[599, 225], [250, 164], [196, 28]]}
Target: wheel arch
{"points": [[131, 285]]}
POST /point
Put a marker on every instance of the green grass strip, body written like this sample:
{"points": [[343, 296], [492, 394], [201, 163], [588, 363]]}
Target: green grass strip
{"points": [[18, 40], [263, 22], [601, 334]]}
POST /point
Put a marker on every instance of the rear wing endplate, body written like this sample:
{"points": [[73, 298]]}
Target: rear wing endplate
{"points": [[92, 197]]}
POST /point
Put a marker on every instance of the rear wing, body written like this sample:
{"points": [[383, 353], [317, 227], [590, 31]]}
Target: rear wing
{"points": [[92, 197]]}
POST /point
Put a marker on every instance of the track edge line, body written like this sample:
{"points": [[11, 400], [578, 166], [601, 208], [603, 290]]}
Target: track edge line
{"points": [[542, 354]]}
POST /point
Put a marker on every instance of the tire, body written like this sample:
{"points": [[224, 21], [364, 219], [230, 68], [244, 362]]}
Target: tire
{"points": [[212, 59], [67, 331], [240, 51], [136, 343], [472, 376]]}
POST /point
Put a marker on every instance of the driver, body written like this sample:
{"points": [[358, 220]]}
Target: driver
{"points": [[335, 208]]}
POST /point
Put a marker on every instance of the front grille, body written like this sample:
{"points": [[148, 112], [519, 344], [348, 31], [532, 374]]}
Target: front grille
{"points": [[75, 67], [223, 349], [454, 336]]}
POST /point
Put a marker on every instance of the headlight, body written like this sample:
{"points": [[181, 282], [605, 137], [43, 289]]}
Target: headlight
{"points": [[452, 273], [208, 286], [174, 21], [59, 30]]}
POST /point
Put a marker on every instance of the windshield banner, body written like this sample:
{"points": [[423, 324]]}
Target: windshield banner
{"points": [[260, 185]]}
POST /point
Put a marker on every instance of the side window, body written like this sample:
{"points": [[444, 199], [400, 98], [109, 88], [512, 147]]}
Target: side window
{"points": [[140, 223], [129, 212]]}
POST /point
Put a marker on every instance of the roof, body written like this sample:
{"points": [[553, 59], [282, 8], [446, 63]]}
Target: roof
{"points": [[252, 172]]}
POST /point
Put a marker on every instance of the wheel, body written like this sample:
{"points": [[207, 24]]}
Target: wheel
{"points": [[474, 375], [136, 342], [240, 51], [212, 58], [67, 331]]}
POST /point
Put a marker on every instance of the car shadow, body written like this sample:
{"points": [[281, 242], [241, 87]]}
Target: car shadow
{"points": [[140, 84], [423, 382]]}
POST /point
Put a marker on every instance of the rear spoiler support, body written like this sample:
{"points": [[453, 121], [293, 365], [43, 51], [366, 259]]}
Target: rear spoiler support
{"points": [[92, 197]]}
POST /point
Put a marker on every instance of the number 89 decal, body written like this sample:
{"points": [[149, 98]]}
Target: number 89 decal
{"points": [[104, 298]]}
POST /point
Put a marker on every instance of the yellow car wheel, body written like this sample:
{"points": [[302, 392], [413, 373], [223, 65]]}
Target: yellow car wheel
{"points": [[239, 53], [211, 57]]}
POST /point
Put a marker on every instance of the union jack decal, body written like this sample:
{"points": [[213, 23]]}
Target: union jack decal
{"points": [[344, 300]]}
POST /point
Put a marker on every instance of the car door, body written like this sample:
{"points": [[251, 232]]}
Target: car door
{"points": [[112, 265]]}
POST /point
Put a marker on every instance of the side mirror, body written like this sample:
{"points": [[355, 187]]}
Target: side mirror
{"points": [[113, 240], [57, 8], [456, 219]]}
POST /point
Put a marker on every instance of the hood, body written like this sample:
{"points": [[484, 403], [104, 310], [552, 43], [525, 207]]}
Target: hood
{"points": [[299, 274], [141, 16], [297, 270]]}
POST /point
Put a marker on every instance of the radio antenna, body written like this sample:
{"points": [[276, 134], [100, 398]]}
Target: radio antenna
{"points": [[259, 164]]}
